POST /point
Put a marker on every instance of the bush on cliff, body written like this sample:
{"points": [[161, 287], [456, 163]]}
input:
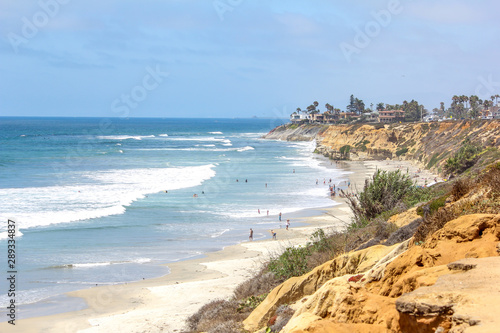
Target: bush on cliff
{"points": [[463, 159], [380, 194]]}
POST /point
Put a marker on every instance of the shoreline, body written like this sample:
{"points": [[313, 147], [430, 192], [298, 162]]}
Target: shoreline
{"points": [[147, 305]]}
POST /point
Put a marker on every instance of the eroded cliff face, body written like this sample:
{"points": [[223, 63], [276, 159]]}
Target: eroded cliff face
{"points": [[428, 143], [449, 283]]}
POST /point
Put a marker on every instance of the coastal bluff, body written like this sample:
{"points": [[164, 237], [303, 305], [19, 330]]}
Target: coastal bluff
{"points": [[449, 283], [442, 278], [429, 144]]}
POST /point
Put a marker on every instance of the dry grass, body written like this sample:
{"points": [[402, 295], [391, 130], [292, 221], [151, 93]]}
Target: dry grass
{"points": [[261, 283], [217, 316], [281, 318], [434, 222], [491, 180], [461, 187], [227, 315], [488, 184]]}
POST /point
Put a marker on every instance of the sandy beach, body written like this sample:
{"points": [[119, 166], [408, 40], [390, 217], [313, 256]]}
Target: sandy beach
{"points": [[163, 304]]}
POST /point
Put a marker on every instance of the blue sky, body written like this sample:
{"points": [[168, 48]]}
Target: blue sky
{"points": [[241, 58]]}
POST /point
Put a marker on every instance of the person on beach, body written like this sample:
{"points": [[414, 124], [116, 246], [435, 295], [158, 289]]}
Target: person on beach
{"points": [[250, 238], [268, 212], [273, 234], [279, 217], [258, 210], [287, 224]]}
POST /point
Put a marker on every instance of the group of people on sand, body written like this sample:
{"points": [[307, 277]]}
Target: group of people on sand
{"points": [[273, 233]]}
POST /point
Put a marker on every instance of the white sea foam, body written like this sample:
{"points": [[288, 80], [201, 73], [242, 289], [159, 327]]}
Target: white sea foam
{"points": [[124, 137], [90, 265], [245, 148], [200, 148], [105, 193], [196, 138], [164, 135], [219, 233], [215, 133], [5, 235]]}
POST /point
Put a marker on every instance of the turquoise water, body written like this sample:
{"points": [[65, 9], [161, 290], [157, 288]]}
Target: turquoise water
{"points": [[104, 201]]}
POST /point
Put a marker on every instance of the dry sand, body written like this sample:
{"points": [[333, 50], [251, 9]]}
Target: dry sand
{"points": [[163, 304]]}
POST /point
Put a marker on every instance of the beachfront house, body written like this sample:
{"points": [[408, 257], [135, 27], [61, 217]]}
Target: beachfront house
{"points": [[330, 117], [391, 116], [298, 117], [371, 117], [491, 113], [348, 115], [317, 117]]}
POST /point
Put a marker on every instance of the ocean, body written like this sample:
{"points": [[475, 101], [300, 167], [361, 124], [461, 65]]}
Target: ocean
{"points": [[106, 201]]}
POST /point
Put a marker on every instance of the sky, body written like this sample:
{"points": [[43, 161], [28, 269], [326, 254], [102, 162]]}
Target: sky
{"points": [[241, 58]]}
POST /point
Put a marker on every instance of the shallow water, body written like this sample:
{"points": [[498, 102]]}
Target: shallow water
{"points": [[91, 205]]}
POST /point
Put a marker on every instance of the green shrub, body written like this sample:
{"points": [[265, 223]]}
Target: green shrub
{"points": [[417, 195], [344, 152], [382, 193], [319, 241], [401, 151], [293, 262], [433, 206], [433, 160], [250, 303], [463, 159]]}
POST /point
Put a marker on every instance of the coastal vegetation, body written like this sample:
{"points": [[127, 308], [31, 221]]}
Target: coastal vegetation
{"points": [[385, 198], [457, 145], [384, 191], [464, 158]]}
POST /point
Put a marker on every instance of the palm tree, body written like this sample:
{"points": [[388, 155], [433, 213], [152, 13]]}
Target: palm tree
{"points": [[465, 99], [328, 107], [380, 106]]}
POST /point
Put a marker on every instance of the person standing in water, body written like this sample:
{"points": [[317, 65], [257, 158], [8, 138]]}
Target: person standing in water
{"points": [[279, 217], [250, 238], [287, 224]]}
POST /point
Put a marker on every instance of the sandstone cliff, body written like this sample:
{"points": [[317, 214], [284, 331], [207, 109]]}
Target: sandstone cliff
{"points": [[447, 284], [428, 143], [443, 279]]}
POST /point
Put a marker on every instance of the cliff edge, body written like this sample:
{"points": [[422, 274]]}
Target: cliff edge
{"points": [[430, 144]]}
